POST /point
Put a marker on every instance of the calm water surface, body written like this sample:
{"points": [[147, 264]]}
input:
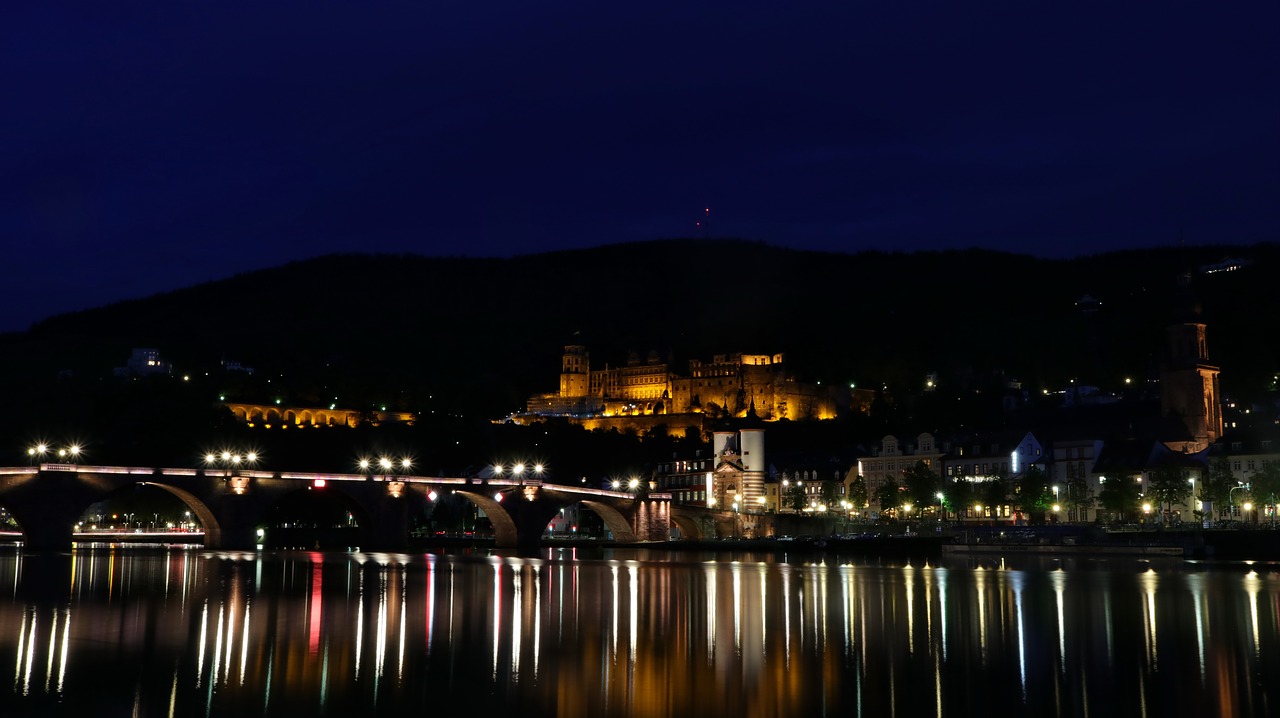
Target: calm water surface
{"points": [[188, 632]]}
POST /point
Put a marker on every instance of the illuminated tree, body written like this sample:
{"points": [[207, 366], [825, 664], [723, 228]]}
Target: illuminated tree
{"points": [[1080, 495], [858, 493], [1217, 484], [795, 497], [920, 484], [1266, 486], [1120, 497], [888, 495], [1168, 486]]}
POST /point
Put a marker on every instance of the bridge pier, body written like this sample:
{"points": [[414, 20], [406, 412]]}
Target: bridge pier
{"points": [[388, 530], [234, 531], [47, 537]]}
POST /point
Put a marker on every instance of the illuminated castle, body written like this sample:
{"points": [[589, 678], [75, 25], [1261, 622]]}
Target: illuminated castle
{"points": [[730, 385]]}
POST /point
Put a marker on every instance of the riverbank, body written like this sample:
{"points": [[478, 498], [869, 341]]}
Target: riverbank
{"points": [[1188, 543]]}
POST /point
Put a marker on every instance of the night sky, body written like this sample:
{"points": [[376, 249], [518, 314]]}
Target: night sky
{"points": [[149, 146]]}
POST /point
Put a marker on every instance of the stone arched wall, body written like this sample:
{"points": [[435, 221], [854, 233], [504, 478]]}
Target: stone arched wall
{"points": [[306, 416]]}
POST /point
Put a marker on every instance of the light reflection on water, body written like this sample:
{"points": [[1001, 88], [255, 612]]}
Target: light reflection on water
{"points": [[183, 632]]}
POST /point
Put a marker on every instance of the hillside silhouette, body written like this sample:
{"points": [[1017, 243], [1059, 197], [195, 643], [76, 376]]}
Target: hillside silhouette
{"points": [[471, 339]]}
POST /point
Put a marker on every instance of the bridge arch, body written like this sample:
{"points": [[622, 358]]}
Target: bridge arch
{"points": [[613, 519], [204, 515], [504, 526], [690, 528]]}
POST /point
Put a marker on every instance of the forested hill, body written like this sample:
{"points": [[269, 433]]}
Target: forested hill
{"points": [[477, 336]]}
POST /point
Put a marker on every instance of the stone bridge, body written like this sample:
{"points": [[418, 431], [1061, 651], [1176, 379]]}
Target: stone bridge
{"points": [[232, 506]]}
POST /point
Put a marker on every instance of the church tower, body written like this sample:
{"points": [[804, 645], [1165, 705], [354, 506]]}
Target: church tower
{"points": [[1190, 399]]}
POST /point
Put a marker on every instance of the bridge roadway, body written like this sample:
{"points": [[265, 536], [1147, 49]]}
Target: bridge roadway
{"points": [[231, 505]]}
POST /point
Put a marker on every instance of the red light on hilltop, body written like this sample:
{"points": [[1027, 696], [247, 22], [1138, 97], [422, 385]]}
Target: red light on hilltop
{"points": [[318, 483]]}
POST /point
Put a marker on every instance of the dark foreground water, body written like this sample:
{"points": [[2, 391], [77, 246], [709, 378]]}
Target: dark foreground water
{"points": [[187, 632]]}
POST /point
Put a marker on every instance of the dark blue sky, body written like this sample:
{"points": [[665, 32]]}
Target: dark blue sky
{"points": [[153, 145]]}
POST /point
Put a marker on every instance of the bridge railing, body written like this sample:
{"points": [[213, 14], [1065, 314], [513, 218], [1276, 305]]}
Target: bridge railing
{"points": [[326, 477]]}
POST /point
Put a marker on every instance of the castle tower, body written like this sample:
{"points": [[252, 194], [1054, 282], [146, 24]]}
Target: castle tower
{"points": [[740, 468], [575, 372], [754, 467], [1189, 395]]}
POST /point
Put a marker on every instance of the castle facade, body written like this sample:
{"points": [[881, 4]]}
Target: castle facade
{"points": [[730, 385]]}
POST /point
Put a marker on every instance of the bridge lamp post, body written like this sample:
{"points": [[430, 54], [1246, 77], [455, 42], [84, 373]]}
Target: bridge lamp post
{"points": [[499, 470], [940, 507], [69, 454], [387, 466], [230, 461], [36, 453]]}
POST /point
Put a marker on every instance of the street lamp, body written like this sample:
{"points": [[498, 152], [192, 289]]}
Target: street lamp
{"points": [[1240, 486], [940, 500]]}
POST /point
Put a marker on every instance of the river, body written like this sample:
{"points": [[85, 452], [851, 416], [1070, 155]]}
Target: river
{"points": [[181, 631]]}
